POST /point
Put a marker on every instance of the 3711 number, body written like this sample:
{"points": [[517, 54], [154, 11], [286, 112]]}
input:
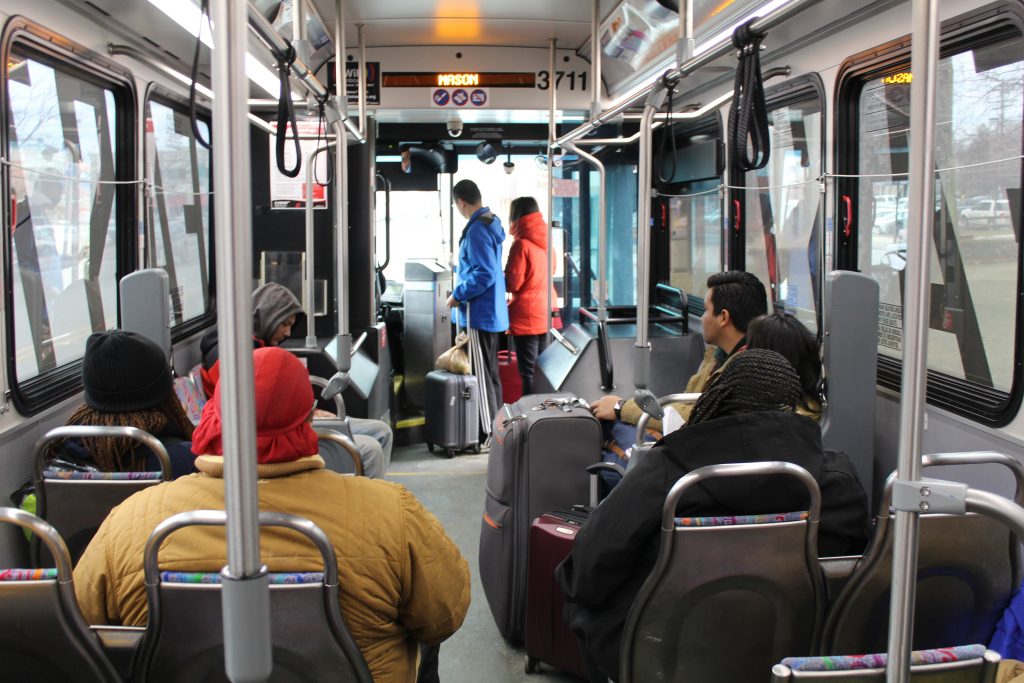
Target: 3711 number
{"points": [[573, 78]]}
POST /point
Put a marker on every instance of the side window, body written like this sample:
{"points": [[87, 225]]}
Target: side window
{"points": [[692, 210], [179, 206], [975, 248], [783, 208], [63, 142]]}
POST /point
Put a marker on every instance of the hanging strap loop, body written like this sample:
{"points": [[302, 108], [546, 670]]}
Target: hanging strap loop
{"points": [[748, 118], [286, 114]]}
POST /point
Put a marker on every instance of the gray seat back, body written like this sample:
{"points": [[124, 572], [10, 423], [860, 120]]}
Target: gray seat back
{"points": [[43, 636], [339, 452], [964, 664], [850, 358], [76, 503], [967, 568], [728, 597], [146, 306], [184, 638]]}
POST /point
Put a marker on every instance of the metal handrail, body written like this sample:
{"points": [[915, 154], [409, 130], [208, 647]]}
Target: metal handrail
{"points": [[50, 538], [307, 275], [98, 432], [346, 443], [663, 401], [761, 24], [151, 565]]}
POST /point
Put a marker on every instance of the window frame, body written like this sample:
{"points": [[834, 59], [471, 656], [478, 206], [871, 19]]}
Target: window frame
{"points": [[163, 96], [804, 88], [985, 405], [55, 385]]}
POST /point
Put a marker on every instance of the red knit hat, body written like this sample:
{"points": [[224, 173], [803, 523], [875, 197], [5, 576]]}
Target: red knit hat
{"points": [[284, 399]]}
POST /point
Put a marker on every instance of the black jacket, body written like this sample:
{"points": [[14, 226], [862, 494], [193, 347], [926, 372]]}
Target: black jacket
{"points": [[616, 549]]}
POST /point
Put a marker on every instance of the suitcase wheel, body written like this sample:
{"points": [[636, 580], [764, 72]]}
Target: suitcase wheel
{"points": [[532, 665], [430, 447], [449, 452], [476, 449]]}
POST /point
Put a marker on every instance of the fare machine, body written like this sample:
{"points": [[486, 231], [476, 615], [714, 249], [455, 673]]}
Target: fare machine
{"points": [[427, 323]]}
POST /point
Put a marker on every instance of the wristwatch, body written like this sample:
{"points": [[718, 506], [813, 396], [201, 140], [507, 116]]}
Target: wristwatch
{"points": [[618, 408]]}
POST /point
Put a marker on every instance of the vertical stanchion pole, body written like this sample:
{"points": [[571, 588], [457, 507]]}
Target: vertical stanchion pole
{"points": [[341, 198], [245, 590], [924, 62], [595, 61], [552, 134], [642, 367]]}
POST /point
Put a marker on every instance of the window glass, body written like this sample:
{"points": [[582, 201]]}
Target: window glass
{"points": [[63, 252], [695, 235], [783, 205], [975, 234], [179, 170]]}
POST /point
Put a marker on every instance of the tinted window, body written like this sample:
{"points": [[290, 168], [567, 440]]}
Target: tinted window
{"points": [[63, 143]]}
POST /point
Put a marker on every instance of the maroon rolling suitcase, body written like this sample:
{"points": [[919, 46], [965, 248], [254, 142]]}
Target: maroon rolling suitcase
{"points": [[548, 638]]}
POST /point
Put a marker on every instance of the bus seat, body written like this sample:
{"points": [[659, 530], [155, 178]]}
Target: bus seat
{"points": [[196, 375], [184, 639], [967, 568], [728, 596], [146, 306], [43, 636], [339, 452], [76, 503], [850, 357], [191, 397], [962, 664]]}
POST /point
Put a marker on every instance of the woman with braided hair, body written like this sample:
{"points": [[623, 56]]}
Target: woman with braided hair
{"points": [[747, 413], [127, 383]]}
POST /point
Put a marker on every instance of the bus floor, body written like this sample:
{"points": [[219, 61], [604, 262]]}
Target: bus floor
{"points": [[454, 491]]}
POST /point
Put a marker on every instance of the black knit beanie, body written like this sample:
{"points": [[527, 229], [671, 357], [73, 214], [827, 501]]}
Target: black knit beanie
{"points": [[124, 371], [751, 381]]}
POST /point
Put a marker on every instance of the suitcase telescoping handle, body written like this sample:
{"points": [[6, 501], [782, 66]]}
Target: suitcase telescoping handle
{"points": [[596, 481]]}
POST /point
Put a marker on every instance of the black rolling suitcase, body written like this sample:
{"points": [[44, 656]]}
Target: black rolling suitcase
{"points": [[452, 412], [540, 446]]}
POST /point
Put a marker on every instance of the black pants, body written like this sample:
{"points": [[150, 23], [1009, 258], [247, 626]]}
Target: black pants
{"points": [[428, 664], [488, 375], [528, 347]]}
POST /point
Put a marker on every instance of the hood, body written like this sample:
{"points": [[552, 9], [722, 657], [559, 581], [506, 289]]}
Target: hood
{"points": [[750, 437], [533, 228], [272, 304]]}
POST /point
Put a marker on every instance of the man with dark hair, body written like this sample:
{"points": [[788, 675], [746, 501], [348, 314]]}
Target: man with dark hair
{"points": [[734, 298], [479, 291], [747, 413]]}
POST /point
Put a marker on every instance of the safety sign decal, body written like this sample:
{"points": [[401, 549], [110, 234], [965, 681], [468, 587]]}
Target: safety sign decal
{"points": [[459, 98]]}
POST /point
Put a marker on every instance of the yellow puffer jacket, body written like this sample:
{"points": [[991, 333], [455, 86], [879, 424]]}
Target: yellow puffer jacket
{"points": [[403, 581]]}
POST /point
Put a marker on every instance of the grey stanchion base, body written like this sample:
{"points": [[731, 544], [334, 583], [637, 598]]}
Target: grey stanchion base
{"points": [[247, 649]]}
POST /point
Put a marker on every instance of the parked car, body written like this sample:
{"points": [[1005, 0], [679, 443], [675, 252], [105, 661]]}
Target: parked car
{"points": [[987, 212]]}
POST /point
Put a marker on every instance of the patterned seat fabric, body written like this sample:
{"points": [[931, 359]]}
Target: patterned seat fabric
{"points": [[877, 661], [101, 476], [191, 397], [738, 520], [28, 574], [276, 578]]}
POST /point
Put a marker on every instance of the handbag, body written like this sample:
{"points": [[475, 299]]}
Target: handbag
{"points": [[455, 360]]}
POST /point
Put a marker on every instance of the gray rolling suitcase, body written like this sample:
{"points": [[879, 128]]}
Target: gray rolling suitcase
{"points": [[539, 449], [452, 412]]}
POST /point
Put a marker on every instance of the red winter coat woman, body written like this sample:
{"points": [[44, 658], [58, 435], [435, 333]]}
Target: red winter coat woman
{"points": [[526, 276]]}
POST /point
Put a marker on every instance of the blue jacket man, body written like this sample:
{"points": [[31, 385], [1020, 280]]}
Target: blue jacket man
{"points": [[480, 287]]}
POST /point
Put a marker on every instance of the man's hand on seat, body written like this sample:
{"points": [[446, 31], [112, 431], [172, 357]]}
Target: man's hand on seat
{"points": [[604, 407]]}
